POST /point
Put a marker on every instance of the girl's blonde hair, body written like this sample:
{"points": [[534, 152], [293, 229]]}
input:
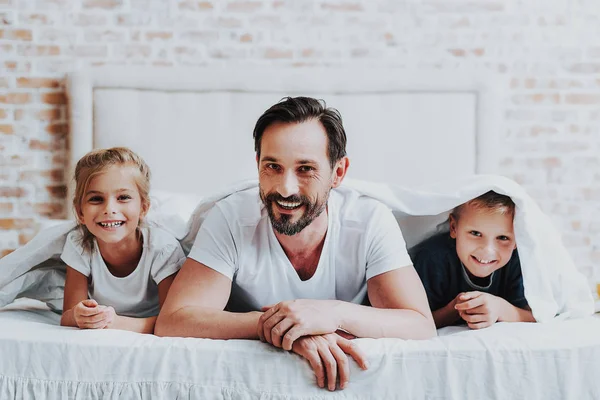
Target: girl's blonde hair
{"points": [[96, 162]]}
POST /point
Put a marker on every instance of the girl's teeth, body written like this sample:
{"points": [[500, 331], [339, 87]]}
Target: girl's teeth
{"points": [[111, 224]]}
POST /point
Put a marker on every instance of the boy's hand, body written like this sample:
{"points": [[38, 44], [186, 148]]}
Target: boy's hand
{"points": [[89, 315], [451, 307], [478, 309], [456, 300]]}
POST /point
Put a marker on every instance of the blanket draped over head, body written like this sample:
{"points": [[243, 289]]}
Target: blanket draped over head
{"points": [[553, 286]]}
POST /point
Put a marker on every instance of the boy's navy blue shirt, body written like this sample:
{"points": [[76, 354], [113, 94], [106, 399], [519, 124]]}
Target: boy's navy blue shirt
{"points": [[444, 276]]}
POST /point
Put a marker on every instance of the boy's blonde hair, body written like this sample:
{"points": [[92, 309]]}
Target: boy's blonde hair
{"points": [[491, 201], [96, 162]]}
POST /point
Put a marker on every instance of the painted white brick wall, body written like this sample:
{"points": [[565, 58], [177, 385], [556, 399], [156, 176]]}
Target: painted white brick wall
{"points": [[547, 54]]}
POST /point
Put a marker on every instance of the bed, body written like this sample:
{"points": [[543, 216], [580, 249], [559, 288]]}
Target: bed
{"points": [[41, 360], [193, 127]]}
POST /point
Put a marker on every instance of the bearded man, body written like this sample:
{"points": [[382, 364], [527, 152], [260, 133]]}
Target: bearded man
{"points": [[294, 262]]}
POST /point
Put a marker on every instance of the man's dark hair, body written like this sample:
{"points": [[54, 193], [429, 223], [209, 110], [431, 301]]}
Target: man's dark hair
{"points": [[301, 109]]}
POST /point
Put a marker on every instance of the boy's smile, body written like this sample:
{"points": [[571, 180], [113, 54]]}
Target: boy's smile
{"points": [[483, 262]]}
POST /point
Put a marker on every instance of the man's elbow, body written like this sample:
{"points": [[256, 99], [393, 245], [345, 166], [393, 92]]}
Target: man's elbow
{"points": [[163, 324], [427, 329], [430, 331]]}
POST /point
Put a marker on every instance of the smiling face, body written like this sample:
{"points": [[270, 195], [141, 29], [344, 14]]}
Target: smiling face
{"points": [[484, 239], [111, 207], [295, 175]]}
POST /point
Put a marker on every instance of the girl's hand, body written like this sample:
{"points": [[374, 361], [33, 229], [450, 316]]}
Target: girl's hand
{"points": [[111, 316], [89, 315]]}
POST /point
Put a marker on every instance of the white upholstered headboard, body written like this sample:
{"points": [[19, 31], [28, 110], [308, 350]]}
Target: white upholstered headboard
{"points": [[194, 126]]}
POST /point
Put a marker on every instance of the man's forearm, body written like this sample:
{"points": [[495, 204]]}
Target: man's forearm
{"points": [[208, 323], [372, 322]]}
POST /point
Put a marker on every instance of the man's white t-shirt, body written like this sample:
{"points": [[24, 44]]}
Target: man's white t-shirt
{"points": [[135, 295], [237, 239]]}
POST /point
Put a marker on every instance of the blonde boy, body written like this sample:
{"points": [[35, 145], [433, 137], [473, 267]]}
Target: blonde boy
{"points": [[473, 274]]}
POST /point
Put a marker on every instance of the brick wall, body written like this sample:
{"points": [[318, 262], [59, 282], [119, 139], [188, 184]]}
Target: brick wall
{"points": [[549, 53]]}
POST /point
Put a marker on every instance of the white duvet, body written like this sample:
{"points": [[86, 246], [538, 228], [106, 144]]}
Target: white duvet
{"points": [[553, 286]]}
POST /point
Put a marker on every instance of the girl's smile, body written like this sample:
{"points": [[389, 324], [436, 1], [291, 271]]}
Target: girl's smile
{"points": [[112, 207]]}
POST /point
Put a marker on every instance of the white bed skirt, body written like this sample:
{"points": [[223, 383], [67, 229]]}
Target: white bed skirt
{"points": [[41, 360]]}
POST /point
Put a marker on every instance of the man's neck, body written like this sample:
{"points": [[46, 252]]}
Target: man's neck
{"points": [[304, 249]]}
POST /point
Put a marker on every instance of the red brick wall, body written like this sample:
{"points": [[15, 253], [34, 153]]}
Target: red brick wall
{"points": [[547, 54]]}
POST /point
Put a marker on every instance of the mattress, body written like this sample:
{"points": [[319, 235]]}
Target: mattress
{"points": [[42, 360]]}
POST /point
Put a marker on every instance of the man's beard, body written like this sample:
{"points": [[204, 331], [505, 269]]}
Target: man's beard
{"points": [[284, 224]]}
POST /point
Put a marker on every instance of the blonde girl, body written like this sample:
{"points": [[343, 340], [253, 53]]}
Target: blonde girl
{"points": [[118, 271]]}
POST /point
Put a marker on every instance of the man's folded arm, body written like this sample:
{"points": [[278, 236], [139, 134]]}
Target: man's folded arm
{"points": [[399, 308], [195, 307]]}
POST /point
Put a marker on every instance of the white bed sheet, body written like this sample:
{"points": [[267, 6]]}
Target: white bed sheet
{"points": [[41, 360]]}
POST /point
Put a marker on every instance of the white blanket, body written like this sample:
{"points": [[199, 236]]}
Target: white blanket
{"points": [[553, 286]]}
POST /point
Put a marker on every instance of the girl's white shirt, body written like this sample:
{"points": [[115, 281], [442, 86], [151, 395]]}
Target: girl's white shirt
{"points": [[135, 295]]}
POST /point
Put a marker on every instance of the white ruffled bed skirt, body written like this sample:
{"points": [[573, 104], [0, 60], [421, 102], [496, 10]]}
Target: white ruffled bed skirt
{"points": [[41, 360]]}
